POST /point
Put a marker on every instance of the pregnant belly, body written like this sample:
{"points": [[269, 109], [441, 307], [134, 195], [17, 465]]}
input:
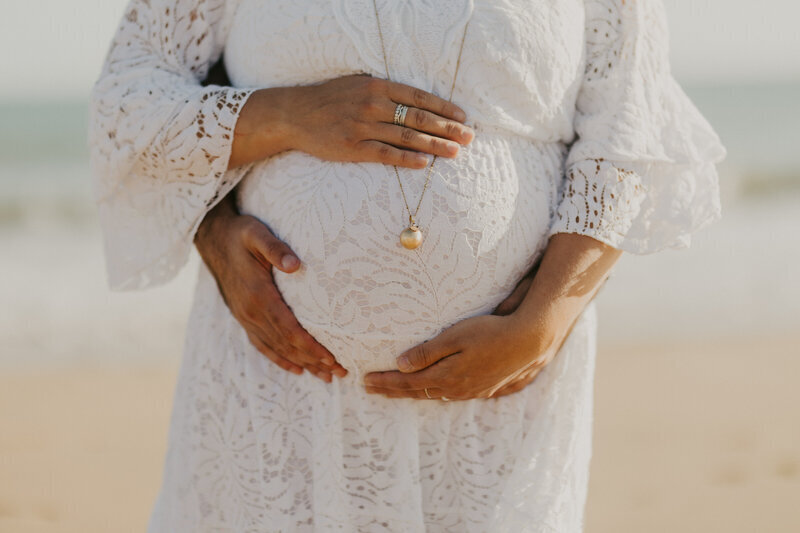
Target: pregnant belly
{"points": [[484, 217]]}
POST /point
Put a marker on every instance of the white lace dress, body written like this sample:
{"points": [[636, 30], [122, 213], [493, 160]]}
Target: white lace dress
{"points": [[580, 128]]}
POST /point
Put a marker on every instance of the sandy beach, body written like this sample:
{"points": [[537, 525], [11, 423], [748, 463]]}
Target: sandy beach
{"points": [[687, 438]]}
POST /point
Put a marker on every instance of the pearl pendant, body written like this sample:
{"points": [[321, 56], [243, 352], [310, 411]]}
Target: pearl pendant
{"points": [[411, 237]]}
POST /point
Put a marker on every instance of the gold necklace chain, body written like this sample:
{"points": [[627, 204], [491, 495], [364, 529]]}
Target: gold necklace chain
{"points": [[413, 228]]}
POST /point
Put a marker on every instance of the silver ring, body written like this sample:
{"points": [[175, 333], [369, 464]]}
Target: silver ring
{"points": [[400, 113], [445, 399], [428, 395]]}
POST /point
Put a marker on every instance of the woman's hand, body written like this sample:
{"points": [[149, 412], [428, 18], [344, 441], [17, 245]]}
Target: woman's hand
{"points": [[240, 252], [349, 119], [474, 358], [491, 355], [522, 378]]}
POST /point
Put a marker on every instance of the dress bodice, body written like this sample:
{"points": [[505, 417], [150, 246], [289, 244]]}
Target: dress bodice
{"points": [[506, 80]]}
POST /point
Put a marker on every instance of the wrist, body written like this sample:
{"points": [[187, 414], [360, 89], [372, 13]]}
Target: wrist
{"points": [[264, 126], [210, 236], [540, 331]]}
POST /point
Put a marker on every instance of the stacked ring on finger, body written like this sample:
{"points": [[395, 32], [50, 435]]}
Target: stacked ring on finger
{"points": [[400, 113], [443, 398]]}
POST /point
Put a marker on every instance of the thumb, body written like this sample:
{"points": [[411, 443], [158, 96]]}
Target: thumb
{"points": [[269, 248], [425, 354]]}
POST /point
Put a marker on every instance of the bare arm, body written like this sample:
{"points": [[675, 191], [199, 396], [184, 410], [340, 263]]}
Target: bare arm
{"points": [[479, 356]]}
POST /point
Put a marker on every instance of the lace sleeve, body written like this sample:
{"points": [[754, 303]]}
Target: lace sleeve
{"points": [[159, 141], [641, 174]]}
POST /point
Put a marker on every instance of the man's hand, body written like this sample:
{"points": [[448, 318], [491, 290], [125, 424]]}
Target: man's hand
{"points": [[240, 251]]}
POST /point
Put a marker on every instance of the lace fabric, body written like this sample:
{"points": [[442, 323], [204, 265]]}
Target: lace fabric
{"points": [[640, 175], [579, 128]]}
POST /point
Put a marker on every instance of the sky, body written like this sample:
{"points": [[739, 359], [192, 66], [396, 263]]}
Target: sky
{"points": [[54, 51]]}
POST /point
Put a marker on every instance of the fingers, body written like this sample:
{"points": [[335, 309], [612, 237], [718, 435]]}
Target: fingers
{"points": [[425, 354], [389, 155], [287, 358], [268, 249], [292, 333], [414, 97], [269, 316], [272, 356], [422, 120], [433, 393], [415, 140], [517, 384], [425, 121], [398, 382]]}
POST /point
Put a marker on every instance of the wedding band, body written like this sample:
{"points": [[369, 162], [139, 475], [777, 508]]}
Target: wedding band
{"points": [[445, 399], [400, 113], [428, 395]]}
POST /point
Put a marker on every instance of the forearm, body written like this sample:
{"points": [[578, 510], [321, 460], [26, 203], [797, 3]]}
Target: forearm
{"points": [[572, 270], [213, 228], [263, 127]]}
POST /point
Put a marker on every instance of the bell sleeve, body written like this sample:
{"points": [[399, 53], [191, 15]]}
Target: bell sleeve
{"points": [[159, 141], [640, 176]]}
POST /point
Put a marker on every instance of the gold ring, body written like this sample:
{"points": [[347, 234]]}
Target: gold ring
{"points": [[428, 395]]}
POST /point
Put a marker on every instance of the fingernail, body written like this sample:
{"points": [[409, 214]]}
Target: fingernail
{"points": [[327, 361], [403, 363], [460, 115], [467, 135], [421, 160], [340, 372], [452, 148], [289, 261]]}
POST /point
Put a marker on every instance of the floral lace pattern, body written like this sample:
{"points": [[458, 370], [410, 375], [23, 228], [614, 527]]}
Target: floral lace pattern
{"points": [[580, 128], [631, 113]]}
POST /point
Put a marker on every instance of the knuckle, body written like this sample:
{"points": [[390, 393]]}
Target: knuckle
{"points": [[436, 145], [370, 106], [449, 109], [420, 98], [350, 135], [358, 130], [424, 355], [452, 129], [274, 250], [251, 233], [405, 158], [407, 135], [250, 312], [373, 85], [384, 152], [291, 336], [421, 119]]}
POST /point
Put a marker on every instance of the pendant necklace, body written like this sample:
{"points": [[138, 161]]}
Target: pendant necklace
{"points": [[411, 237]]}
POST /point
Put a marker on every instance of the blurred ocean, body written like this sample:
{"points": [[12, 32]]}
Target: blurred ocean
{"points": [[736, 280], [44, 171]]}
